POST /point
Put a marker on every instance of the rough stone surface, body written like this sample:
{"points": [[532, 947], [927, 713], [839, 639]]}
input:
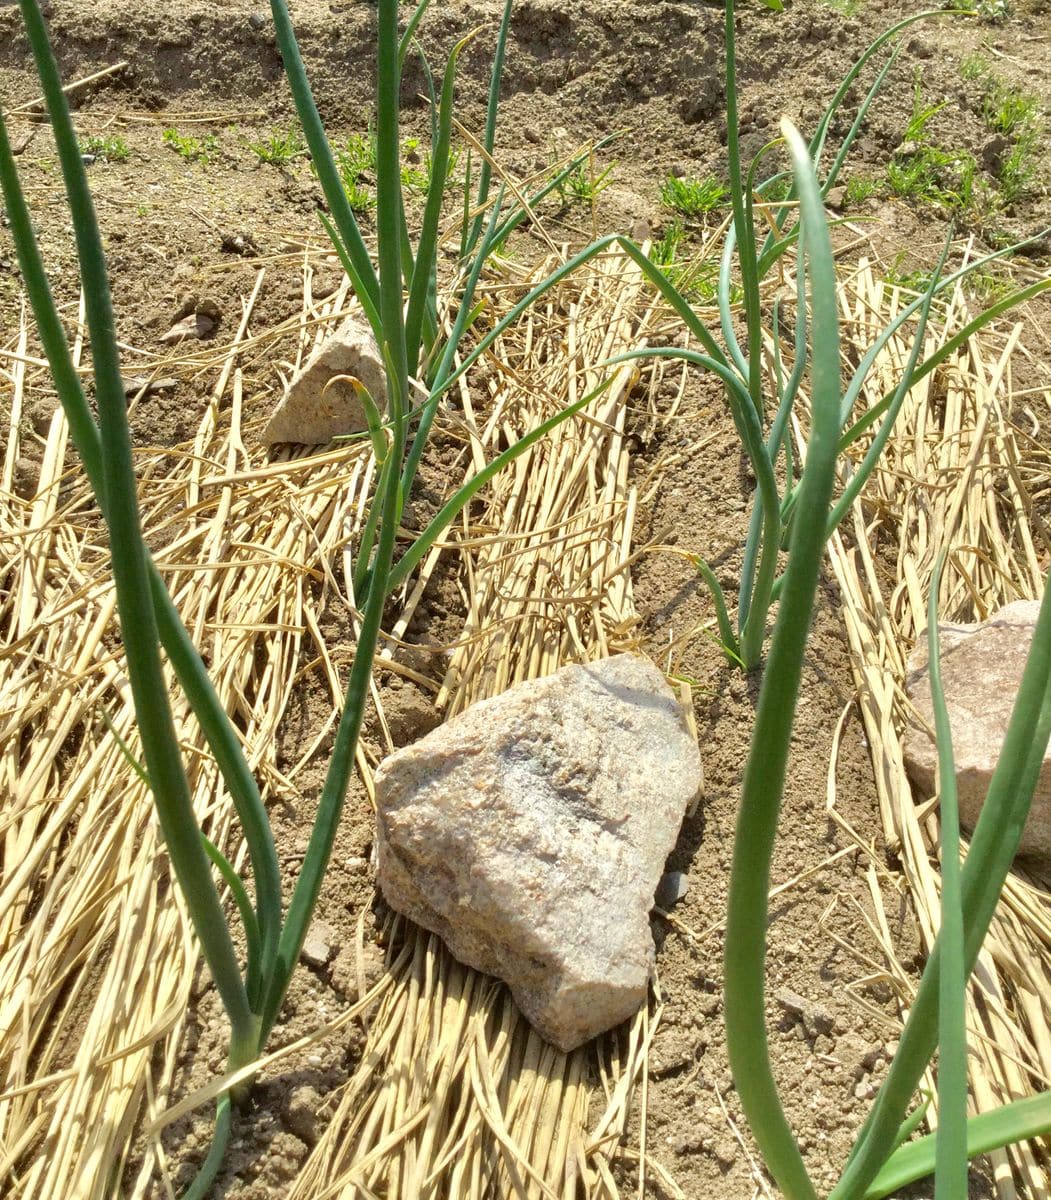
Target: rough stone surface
{"points": [[321, 402], [531, 831], [319, 945], [671, 889], [981, 670]]}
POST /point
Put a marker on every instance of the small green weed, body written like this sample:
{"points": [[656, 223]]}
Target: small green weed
{"points": [[415, 177], [860, 189], [1015, 115], [1007, 110], [1018, 167], [582, 185], [897, 275], [846, 8], [991, 12], [776, 190], [360, 199], [190, 147], [922, 114], [943, 178], [664, 251], [693, 197], [696, 278], [279, 148], [357, 156], [974, 66], [989, 285], [356, 162], [110, 147]]}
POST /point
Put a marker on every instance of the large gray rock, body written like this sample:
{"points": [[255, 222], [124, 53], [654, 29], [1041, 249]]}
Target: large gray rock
{"points": [[321, 402], [982, 668], [531, 831]]}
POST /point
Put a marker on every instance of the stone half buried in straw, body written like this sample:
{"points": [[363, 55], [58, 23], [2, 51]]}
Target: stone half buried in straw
{"points": [[322, 401], [982, 668], [531, 831]]}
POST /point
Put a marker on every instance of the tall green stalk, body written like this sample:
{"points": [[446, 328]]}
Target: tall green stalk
{"points": [[745, 950], [131, 575], [950, 1175]]}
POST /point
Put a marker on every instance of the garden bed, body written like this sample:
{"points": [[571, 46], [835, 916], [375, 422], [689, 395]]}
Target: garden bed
{"points": [[107, 1018]]}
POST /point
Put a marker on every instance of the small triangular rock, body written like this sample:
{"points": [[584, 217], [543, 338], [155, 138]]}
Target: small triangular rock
{"points": [[531, 831], [321, 402], [982, 668], [200, 325]]}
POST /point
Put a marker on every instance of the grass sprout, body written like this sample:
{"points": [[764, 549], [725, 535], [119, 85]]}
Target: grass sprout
{"points": [[108, 147], [1008, 110], [190, 147], [974, 66], [581, 185], [693, 198], [279, 148], [860, 189]]}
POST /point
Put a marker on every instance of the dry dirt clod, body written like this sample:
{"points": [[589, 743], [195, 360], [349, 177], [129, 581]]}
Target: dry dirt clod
{"points": [[301, 1114], [815, 1019], [982, 668], [531, 831], [134, 384]]}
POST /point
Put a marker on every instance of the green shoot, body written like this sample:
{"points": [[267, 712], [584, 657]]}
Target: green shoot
{"points": [[846, 8], [190, 147], [665, 250], [1019, 166], [974, 66], [765, 773], [950, 1174], [1007, 110], [360, 199], [991, 12], [107, 147], [279, 148], [922, 114], [693, 198], [582, 186], [945, 179], [357, 156], [860, 189]]}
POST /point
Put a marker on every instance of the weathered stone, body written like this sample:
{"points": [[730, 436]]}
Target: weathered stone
{"points": [[531, 831], [671, 889], [982, 668], [322, 402], [200, 325], [319, 945]]}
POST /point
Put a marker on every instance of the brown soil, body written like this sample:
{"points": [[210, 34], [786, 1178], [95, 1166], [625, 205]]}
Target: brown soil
{"points": [[177, 229]]}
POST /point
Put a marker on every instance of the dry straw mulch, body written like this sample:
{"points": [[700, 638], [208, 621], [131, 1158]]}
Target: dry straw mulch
{"points": [[97, 959]]}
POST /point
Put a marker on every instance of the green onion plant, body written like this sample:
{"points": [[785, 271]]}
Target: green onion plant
{"points": [[881, 1161]]}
